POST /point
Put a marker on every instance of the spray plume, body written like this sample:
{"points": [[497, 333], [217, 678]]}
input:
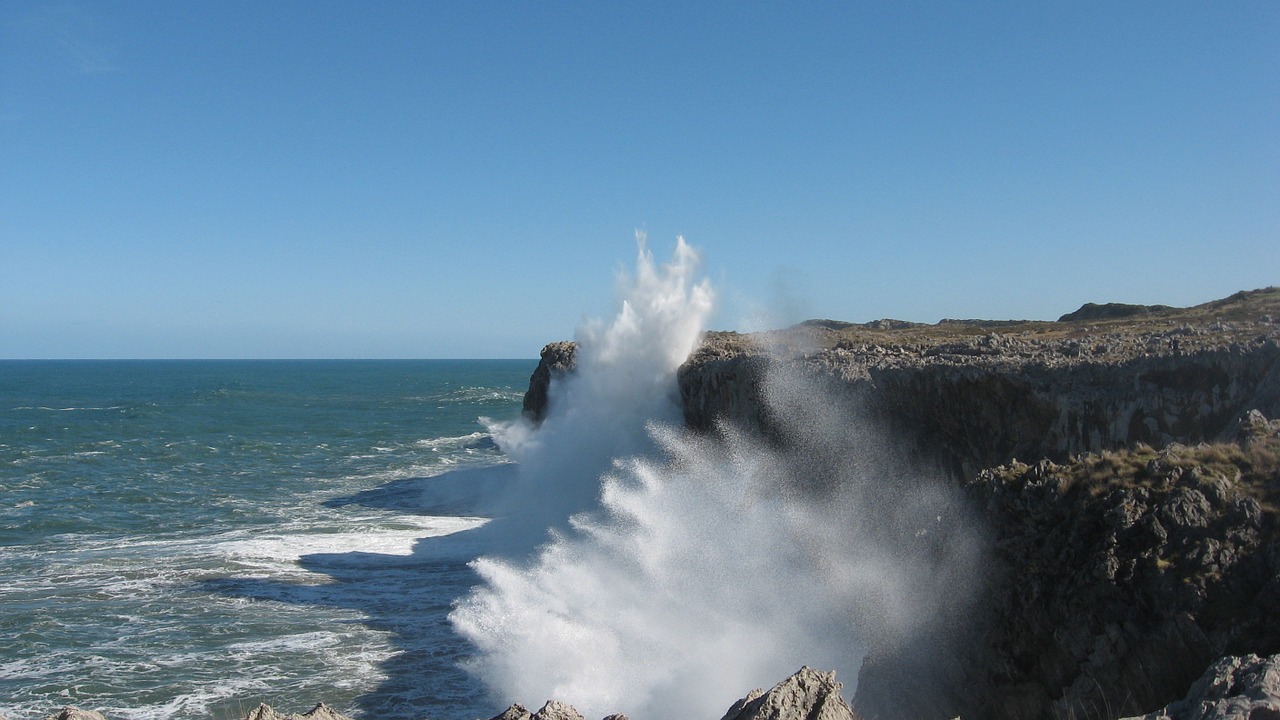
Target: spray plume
{"points": [[692, 567]]}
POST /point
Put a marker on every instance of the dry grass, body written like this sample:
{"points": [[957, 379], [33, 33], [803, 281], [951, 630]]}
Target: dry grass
{"points": [[1243, 306], [1251, 468]]}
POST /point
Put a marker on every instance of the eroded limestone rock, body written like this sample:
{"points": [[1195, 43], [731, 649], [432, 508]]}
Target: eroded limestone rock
{"points": [[1233, 688], [807, 695]]}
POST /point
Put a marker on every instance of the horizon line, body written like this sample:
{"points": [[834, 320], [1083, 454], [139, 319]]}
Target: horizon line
{"points": [[266, 359]]}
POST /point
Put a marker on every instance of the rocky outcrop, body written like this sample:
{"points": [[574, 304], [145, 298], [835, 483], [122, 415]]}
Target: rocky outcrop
{"points": [[1233, 688], [319, 712], [1117, 578], [974, 395], [552, 710], [557, 359], [1125, 555], [807, 695]]}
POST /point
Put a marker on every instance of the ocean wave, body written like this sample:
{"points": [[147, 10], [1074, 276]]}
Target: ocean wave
{"points": [[354, 536], [475, 440], [164, 524], [476, 395]]}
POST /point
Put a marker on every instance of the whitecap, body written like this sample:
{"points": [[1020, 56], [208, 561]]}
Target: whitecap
{"points": [[395, 536], [459, 441]]}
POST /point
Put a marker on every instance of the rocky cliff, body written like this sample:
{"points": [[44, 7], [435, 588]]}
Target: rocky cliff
{"points": [[1117, 578], [1130, 495], [977, 394]]}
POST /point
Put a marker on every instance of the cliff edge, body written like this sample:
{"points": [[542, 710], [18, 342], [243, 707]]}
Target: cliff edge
{"points": [[1122, 458]]}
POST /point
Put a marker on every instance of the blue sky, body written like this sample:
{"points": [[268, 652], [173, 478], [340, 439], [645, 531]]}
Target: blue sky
{"points": [[464, 179]]}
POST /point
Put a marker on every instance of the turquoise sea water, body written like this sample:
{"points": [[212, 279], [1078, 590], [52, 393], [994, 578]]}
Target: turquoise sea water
{"points": [[189, 538]]}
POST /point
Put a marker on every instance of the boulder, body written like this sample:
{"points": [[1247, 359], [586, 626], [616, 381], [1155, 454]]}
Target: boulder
{"points": [[556, 710], [552, 710], [807, 695], [515, 712]]}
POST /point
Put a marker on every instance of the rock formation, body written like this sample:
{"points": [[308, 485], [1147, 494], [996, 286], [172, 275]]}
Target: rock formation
{"points": [[977, 394], [1121, 458], [806, 695], [319, 712], [557, 359], [1233, 688], [552, 710], [1116, 579]]}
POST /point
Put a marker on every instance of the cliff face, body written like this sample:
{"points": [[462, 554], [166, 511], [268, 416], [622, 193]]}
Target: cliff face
{"points": [[1116, 579], [1120, 563], [557, 359], [975, 395]]}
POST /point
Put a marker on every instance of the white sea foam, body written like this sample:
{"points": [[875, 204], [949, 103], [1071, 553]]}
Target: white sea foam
{"points": [[172, 583], [625, 379], [451, 443], [712, 564], [381, 535], [200, 701]]}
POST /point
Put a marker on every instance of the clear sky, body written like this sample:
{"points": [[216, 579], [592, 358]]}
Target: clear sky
{"points": [[465, 179]]}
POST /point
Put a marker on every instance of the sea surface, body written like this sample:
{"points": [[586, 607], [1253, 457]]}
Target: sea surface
{"points": [[185, 539]]}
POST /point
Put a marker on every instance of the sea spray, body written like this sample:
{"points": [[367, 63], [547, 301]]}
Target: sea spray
{"points": [[625, 379], [700, 566]]}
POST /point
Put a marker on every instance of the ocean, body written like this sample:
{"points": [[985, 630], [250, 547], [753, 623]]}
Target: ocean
{"points": [[190, 538]]}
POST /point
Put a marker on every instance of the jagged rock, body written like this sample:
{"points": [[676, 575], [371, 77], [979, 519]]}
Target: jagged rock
{"points": [[323, 712], [1115, 579], [75, 713], [557, 359], [552, 710], [556, 710], [515, 712], [806, 695], [1233, 688], [1025, 389], [1253, 426], [319, 712]]}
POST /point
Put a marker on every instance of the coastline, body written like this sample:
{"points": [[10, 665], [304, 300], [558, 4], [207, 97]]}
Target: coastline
{"points": [[1125, 463]]}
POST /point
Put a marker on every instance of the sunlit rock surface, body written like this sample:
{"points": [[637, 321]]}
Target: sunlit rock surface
{"points": [[807, 695]]}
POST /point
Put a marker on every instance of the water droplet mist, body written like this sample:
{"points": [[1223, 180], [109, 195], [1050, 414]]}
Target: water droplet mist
{"points": [[681, 569]]}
